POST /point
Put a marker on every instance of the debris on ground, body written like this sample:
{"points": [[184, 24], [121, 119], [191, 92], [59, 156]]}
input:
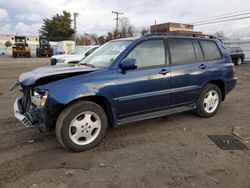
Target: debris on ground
{"points": [[228, 142], [214, 179], [242, 132], [102, 165], [49, 184], [69, 173], [31, 141]]}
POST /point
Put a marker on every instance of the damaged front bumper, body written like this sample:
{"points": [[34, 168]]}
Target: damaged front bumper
{"points": [[22, 118], [40, 117]]}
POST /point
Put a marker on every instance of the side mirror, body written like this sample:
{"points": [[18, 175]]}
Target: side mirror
{"points": [[128, 64]]}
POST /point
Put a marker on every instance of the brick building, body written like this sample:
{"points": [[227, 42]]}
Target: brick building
{"points": [[172, 27]]}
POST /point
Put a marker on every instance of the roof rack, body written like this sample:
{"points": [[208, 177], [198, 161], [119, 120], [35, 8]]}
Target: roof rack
{"points": [[182, 34]]}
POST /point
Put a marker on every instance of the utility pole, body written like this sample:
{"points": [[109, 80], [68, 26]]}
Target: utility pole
{"points": [[117, 19], [75, 15]]}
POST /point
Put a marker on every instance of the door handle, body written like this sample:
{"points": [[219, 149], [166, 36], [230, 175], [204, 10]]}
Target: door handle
{"points": [[163, 72], [202, 66]]}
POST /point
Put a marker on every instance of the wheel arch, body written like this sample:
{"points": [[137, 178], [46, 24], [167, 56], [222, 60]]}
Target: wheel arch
{"points": [[101, 101], [221, 85]]}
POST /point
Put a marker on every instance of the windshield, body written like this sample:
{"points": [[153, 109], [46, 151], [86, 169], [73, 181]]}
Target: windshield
{"points": [[20, 40], [106, 54]]}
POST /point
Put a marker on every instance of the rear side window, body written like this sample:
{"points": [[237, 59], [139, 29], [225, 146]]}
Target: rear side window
{"points": [[198, 51], [211, 50], [182, 51]]}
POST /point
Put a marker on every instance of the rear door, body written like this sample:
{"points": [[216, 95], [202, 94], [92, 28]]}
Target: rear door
{"points": [[188, 70]]}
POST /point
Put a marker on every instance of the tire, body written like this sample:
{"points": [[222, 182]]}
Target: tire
{"points": [[81, 126], [209, 101], [239, 61]]}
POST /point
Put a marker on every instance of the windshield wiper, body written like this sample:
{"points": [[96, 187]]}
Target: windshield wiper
{"points": [[87, 64]]}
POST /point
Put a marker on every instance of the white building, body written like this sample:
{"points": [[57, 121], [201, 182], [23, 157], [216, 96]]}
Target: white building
{"points": [[33, 42]]}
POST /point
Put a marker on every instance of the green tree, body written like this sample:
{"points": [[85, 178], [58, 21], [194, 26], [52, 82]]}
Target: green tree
{"points": [[7, 44], [58, 28]]}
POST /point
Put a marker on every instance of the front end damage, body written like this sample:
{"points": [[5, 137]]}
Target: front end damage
{"points": [[22, 117], [31, 113], [38, 107]]}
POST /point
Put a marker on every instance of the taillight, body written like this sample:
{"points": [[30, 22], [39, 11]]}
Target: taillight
{"points": [[233, 69]]}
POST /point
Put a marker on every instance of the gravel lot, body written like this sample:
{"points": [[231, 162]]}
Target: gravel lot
{"points": [[172, 151]]}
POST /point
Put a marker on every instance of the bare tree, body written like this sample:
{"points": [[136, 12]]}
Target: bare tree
{"points": [[87, 39], [220, 34], [126, 29], [144, 31]]}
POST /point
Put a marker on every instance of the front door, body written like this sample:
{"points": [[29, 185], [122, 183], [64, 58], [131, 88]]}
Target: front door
{"points": [[146, 88]]}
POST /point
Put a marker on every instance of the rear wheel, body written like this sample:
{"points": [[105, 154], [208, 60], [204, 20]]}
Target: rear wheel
{"points": [[209, 101], [81, 126]]}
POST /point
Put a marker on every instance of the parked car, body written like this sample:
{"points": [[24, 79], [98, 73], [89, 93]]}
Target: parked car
{"points": [[123, 81], [74, 57], [237, 55]]}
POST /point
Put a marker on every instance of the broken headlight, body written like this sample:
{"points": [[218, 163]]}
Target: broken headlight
{"points": [[39, 97]]}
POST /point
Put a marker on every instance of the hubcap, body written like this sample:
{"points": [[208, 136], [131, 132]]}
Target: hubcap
{"points": [[84, 128], [211, 101]]}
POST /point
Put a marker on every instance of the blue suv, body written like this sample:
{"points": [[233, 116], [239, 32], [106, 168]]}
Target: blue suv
{"points": [[123, 81]]}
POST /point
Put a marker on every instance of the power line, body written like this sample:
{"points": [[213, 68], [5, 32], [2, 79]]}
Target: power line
{"points": [[203, 19], [220, 21], [220, 18], [117, 19]]}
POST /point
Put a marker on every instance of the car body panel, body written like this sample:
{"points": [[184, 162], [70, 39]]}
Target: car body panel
{"points": [[142, 90], [31, 77]]}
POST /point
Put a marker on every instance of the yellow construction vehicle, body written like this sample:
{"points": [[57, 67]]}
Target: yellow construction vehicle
{"points": [[20, 47]]}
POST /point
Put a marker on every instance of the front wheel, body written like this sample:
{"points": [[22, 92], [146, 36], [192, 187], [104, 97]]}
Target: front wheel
{"points": [[209, 101], [81, 126]]}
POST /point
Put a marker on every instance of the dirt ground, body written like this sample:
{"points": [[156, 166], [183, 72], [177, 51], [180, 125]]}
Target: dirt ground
{"points": [[172, 151]]}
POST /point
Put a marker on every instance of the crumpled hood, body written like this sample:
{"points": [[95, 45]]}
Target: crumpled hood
{"points": [[52, 73]]}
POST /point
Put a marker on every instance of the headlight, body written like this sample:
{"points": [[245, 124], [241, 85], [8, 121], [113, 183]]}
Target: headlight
{"points": [[61, 60], [39, 97]]}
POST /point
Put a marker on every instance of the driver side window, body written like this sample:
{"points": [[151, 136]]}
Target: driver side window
{"points": [[149, 53]]}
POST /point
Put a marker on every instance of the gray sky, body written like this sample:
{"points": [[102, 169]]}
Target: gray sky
{"points": [[25, 16]]}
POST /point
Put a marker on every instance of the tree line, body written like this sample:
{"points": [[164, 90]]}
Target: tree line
{"points": [[59, 27]]}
